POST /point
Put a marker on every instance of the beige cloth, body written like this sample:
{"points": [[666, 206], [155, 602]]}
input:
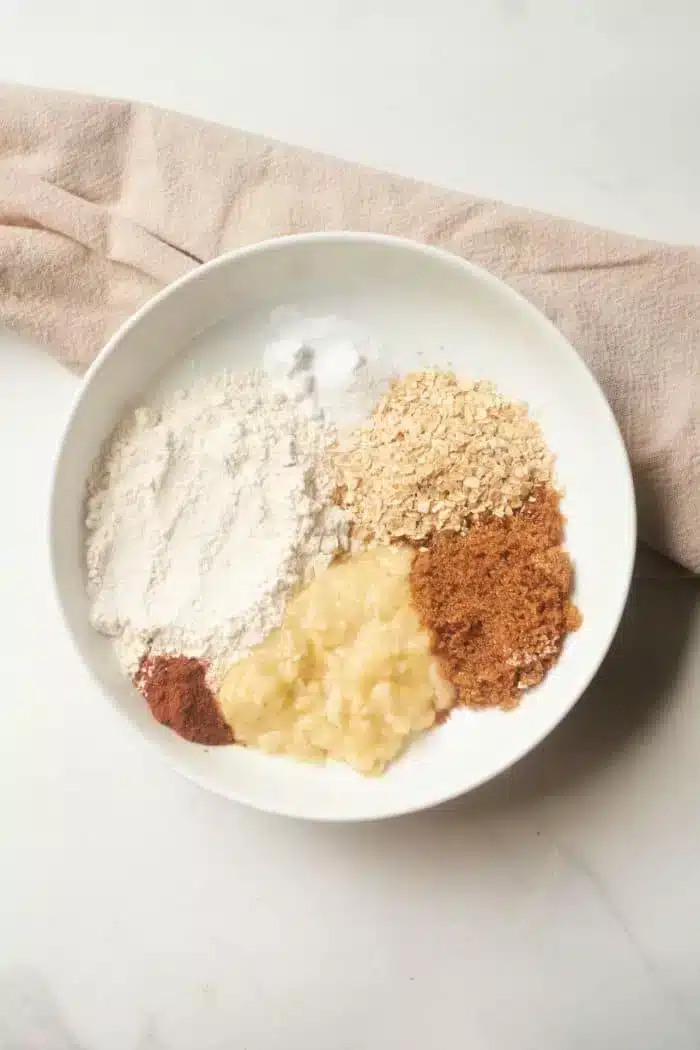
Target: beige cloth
{"points": [[103, 202]]}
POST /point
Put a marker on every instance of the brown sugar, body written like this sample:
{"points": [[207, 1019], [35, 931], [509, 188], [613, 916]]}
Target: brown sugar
{"points": [[497, 601], [178, 695]]}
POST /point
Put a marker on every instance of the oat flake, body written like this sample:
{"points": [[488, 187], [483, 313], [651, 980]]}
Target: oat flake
{"points": [[436, 454]]}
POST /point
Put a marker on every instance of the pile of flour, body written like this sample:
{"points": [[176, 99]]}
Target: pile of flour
{"points": [[204, 514]]}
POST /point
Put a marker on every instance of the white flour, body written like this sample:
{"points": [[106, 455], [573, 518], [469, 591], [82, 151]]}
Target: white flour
{"points": [[203, 515]]}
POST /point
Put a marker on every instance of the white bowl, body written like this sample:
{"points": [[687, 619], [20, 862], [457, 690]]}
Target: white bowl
{"points": [[426, 308]]}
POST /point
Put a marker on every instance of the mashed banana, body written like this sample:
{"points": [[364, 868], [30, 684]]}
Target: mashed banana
{"points": [[348, 675]]}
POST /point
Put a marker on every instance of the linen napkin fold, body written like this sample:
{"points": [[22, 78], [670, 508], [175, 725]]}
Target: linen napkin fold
{"points": [[102, 202]]}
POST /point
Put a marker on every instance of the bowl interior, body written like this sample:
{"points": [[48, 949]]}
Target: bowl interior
{"points": [[425, 308]]}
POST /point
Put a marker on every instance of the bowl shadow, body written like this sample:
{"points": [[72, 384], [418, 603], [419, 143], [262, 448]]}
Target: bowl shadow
{"points": [[627, 695]]}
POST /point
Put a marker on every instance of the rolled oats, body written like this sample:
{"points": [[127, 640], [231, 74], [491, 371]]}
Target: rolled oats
{"points": [[436, 454]]}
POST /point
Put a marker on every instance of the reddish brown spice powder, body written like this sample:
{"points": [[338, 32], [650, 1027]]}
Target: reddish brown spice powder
{"points": [[497, 601], [178, 695]]}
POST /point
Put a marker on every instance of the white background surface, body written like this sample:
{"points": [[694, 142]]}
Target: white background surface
{"points": [[559, 907]]}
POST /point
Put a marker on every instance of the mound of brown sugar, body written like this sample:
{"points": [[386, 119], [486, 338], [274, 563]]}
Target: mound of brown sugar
{"points": [[497, 601]]}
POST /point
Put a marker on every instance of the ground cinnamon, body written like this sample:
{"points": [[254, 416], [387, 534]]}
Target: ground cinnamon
{"points": [[178, 695], [497, 601]]}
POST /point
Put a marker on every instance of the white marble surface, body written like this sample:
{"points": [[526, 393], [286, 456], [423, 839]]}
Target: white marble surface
{"points": [[557, 909]]}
